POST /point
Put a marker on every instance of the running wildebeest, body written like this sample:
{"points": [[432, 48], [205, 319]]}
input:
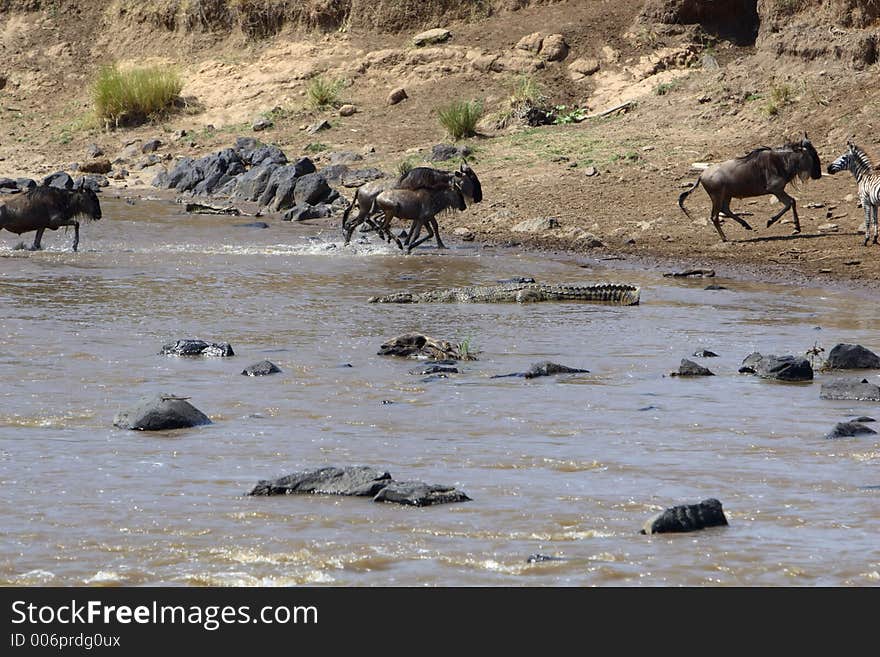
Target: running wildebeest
{"points": [[763, 171], [868, 180], [421, 207], [49, 207], [416, 179]]}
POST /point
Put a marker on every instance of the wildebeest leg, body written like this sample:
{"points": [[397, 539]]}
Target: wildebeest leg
{"points": [[385, 226], [431, 232], [436, 227], [725, 208], [789, 203], [36, 245], [715, 221], [75, 235]]}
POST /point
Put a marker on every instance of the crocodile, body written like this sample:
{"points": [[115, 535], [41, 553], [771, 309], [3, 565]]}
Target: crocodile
{"points": [[613, 293]]}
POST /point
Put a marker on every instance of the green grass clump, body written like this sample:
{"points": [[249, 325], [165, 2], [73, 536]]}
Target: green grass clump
{"points": [[664, 88], [460, 118], [324, 93], [131, 96], [780, 96]]}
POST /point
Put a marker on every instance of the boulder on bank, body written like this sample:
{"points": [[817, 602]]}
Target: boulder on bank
{"points": [[418, 493], [848, 430], [852, 357], [197, 348], [263, 368], [690, 368], [351, 480], [850, 389], [780, 368], [686, 518], [160, 413]]}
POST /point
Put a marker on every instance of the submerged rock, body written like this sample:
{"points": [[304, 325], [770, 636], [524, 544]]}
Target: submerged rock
{"points": [[705, 353], [850, 389], [690, 368], [351, 480], [781, 368], [161, 412], [541, 558], [434, 368], [197, 348], [852, 357], [848, 430], [418, 493], [263, 368], [686, 518], [417, 345], [544, 368]]}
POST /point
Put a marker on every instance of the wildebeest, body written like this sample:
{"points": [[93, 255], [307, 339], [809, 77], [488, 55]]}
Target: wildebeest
{"points": [[49, 207], [421, 207], [415, 179], [763, 171], [859, 164]]}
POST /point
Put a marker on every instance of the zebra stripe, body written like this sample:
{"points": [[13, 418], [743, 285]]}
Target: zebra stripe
{"points": [[858, 163]]}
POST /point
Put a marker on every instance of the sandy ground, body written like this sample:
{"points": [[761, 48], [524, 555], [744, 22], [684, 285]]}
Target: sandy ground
{"points": [[713, 108]]}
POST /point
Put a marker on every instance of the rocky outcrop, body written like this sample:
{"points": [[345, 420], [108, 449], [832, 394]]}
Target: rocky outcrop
{"points": [[613, 293], [418, 345], [190, 347], [263, 368], [690, 368], [418, 493], [359, 481], [686, 518], [850, 389], [780, 368], [545, 368], [852, 357], [849, 430], [160, 413]]}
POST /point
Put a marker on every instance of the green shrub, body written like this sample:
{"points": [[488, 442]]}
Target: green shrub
{"points": [[406, 165], [664, 88], [779, 97], [324, 93], [135, 95], [460, 118]]}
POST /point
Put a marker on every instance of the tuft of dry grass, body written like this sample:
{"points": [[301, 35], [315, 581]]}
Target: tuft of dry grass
{"points": [[132, 96], [460, 118]]}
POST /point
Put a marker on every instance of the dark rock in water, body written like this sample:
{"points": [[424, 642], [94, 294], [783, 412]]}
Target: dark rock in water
{"points": [[252, 224], [541, 558], [781, 368], [864, 418], [306, 212], [345, 365], [197, 348], [311, 189], [848, 430], [58, 179], [690, 368], [686, 518], [442, 152], [417, 345], [705, 353], [160, 413], [252, 184], [359, 177], [547, 368], [434, 377], [714, 287], [263, 368], [434, 369], [516, 281], [850, 389], [418, 493], [352, 480], [852, 357]]}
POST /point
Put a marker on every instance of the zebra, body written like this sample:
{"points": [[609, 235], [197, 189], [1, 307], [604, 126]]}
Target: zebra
{"points": [[857, 161]]}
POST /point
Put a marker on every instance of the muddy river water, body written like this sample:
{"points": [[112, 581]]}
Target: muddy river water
{"points": [[569, 466]]}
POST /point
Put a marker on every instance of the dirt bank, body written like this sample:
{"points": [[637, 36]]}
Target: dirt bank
{"points": [[610, 185]]}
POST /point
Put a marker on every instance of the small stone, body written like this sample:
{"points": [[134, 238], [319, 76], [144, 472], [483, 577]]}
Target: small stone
{"points": [[531, 42], [705, 353], [397, 95], [94, 151], [347, 110], [263, 368], [437, 35], [591, 171], [554, 48], [687, 518], [463, 234], [96, 166], [690, 368], [323, 124], [261, 123], [150, 146]]}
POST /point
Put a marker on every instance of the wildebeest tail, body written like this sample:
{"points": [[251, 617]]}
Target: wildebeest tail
{"points": [[685, 194], [348, 209]]}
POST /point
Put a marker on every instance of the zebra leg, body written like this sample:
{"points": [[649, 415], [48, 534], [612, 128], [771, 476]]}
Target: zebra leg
{"points": [[867, 206], [875, 225], [36, 245]]}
